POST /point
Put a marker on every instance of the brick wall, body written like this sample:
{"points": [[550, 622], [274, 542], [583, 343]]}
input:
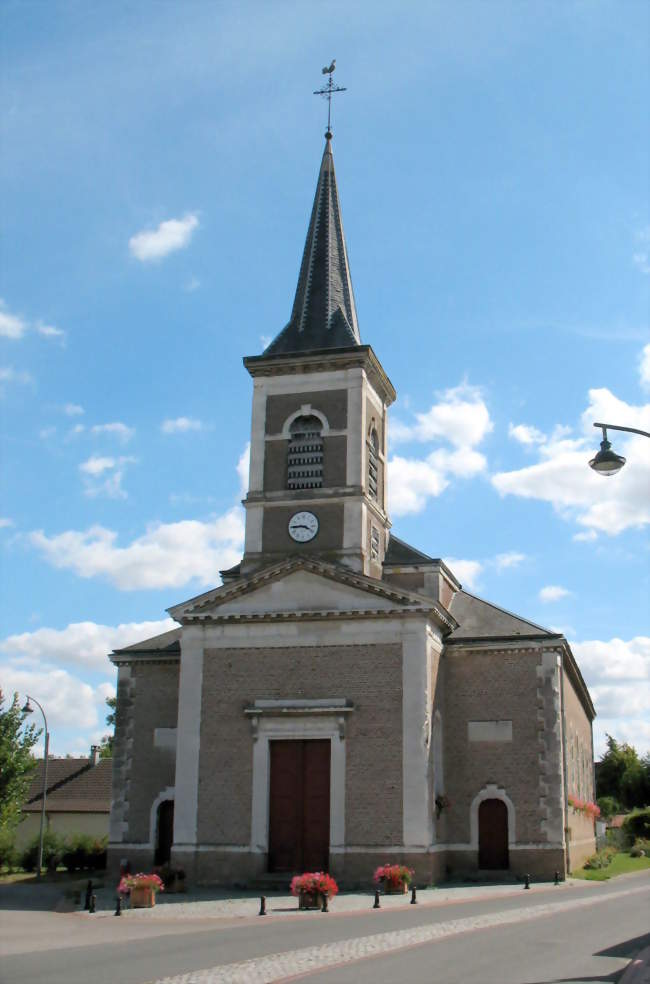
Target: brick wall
{"points": [[154, 704], [369, 676], [579, 764], [481, 686]]}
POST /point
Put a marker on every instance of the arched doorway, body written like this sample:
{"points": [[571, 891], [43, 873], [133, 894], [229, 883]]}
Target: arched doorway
{"points": [[493, 834], [164, 832]]}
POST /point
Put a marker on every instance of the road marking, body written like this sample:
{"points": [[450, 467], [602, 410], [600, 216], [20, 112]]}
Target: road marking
{"points": [[295, 963]]}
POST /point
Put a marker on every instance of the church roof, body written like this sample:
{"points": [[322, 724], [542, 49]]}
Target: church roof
{"points": [[402, 554], [324, 314], [167, 642], [479, 619]]}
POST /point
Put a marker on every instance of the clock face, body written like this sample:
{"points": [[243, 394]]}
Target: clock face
{"points": [[303, 526]]}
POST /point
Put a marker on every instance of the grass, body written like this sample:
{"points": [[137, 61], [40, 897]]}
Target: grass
{"points": [[61, 876], [621, 864]]}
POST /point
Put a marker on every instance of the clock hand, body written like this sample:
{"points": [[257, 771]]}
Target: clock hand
{"points": [[299, 526]]}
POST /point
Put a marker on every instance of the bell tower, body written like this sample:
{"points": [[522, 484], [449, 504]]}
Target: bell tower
{"points": [[317, 483]]}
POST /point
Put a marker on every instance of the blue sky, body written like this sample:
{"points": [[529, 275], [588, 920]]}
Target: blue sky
{"points": [[159, 162]]}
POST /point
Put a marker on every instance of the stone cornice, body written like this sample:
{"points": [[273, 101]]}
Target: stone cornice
{"points": [[325, 360], [139, 657]]}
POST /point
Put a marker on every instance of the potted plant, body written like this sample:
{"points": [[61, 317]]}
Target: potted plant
{"points": [[395, 878], [141, 889], [311, 887], [173, 878]]}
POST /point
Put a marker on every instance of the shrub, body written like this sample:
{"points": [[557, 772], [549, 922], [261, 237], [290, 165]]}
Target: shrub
{"points": [[8, 852], [82, 851], [52, 850], [393, 875], [637, 824], [601, 859], [609, 806], [641, 848]]}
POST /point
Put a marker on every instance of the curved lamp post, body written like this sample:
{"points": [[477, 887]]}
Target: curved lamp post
{"points": [[28, 709], [607, 462]]}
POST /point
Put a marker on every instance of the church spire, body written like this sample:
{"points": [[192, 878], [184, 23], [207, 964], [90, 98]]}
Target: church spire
{"points": [[324, 314]]}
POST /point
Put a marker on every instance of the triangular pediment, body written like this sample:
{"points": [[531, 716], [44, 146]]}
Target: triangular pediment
{"points": [[302, 588]]}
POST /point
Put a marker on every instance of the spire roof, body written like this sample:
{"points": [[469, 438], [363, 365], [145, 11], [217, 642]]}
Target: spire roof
{"points": [[324, 315]]}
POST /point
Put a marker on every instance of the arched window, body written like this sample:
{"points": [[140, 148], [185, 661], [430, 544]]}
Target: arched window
{"points": [[305, 454], [373, 463]]}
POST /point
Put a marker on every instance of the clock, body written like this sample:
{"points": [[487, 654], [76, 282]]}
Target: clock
{"points": [[303, 526]]}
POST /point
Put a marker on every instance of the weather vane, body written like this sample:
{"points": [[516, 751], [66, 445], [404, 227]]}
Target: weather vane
{"points": [[327, 92]]}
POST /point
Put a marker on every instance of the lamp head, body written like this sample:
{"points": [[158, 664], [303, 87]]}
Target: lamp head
{"points": [[27, 709], [606, 462]]}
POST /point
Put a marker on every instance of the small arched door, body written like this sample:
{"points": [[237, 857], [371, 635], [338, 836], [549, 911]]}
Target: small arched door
{"points": [[165, 834], [493, 834]]}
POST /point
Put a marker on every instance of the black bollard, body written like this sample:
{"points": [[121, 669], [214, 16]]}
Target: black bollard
{"points": [[557, 878], [526, 881], [377, 904], [93, 904], [262, 911], [325, 907], [118, 906], [89, 892], [414, 897]]}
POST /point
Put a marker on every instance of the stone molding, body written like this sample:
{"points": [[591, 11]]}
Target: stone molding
{"points": [[491, 791]]}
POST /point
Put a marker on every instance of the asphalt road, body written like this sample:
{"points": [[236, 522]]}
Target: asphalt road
{"points": [[584, 934]]}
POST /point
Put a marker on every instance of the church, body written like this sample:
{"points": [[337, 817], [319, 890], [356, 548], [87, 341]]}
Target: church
{"points": [[340, 702]]}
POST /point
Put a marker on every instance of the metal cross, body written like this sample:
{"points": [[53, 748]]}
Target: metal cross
{"points": [[327, 92]]}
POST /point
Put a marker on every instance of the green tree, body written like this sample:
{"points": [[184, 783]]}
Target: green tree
{"points": [[16, 761], [623, 775], [106, 747]]}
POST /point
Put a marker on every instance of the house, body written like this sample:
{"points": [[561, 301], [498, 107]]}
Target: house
{"points": [[340, 700], [77, 801]]}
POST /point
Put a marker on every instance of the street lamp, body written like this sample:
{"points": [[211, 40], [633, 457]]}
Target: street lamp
{"points": [[28, 709], [607, 462]]}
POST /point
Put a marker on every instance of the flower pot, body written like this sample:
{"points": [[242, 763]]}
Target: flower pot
{"points": [[396, 888], [142, 897], [310, 900]]}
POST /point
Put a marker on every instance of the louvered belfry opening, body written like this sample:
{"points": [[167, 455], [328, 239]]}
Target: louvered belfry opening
{"points": [[373, 457], [305, 455]]}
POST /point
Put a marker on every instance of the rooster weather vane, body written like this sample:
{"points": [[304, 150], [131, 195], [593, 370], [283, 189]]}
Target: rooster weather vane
{"points": [[327, 91]]}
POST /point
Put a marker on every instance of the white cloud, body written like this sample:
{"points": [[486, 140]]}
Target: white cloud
{"points": [[10, 375], [242, 468], [468, 572], [49, 331], [96, 465], [525, 434], [73, 410], [588, 536], [644, 367], [460, 416], [181, 425], [641, 258], [167, 555], [553, 592], [5, 522], [505, 561], [104, 475], [191, 284], [563, 478], [116, 429], [84, 644], [617, 673], [11, 325], [58, 692], [170, 236], [46, 433]]}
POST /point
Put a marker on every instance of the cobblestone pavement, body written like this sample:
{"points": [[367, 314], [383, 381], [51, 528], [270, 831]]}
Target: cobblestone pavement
{"points": [[294, 963]]}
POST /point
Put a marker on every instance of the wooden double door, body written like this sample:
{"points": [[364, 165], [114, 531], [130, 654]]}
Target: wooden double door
{"points": [[299, 809]]}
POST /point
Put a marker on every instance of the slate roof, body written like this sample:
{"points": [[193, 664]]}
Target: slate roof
{"points": [[400, 553], [167, 642], [74, 785], [324, 314], [479, 619]]}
